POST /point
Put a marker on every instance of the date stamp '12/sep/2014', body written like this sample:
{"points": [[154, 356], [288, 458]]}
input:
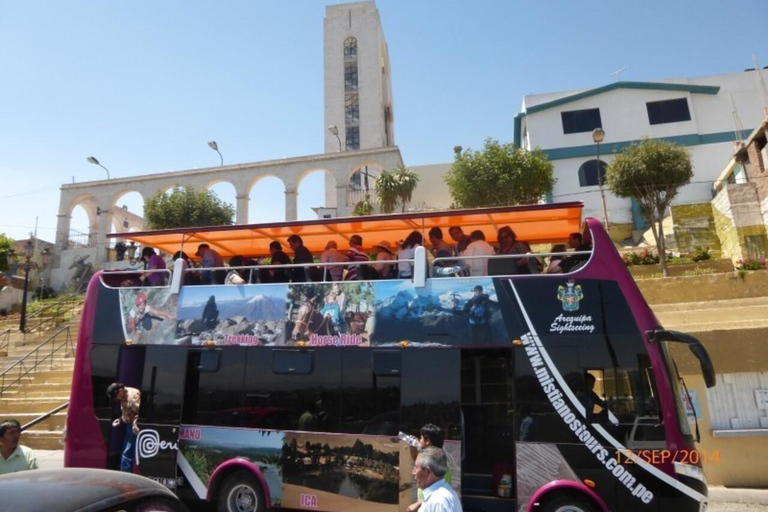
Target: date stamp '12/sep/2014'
{"points": [[666, 456]]}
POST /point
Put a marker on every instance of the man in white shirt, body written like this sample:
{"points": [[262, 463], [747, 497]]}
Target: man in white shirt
{"points": [[478, 247], [429, 470], [13, 456]]}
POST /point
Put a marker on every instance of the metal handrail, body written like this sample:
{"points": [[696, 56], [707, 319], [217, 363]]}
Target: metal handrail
{"points": [[44, 416], [22, 364], [62, 306], [5, 344]]}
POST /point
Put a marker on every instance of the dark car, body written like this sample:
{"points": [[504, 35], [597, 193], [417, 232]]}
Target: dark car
{"points": [[84, 490]]}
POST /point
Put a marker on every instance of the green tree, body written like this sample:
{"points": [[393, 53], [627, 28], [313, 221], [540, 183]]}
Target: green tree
{"points": [[186, 207], [362, 208], [653, 172], [395, 187], [6, 244], [499, 174]]}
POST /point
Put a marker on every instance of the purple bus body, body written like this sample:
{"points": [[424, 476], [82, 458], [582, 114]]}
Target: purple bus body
{"points": [[84, 449], [565, 485], [82, 427]]}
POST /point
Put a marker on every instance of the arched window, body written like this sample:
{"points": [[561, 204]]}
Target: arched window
{"points": [[350, 48], [588, 173]]}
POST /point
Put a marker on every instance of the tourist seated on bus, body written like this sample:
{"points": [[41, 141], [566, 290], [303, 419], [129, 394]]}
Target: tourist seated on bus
{"points": [[279, 257], [301, 256], [332, 255], [462, 240], [407, 251], [438, 244], [478, 247], [237, 275], [510, 245], [210, 259], [357, 254], [589, 399], [384, 253], [556, 259], [575, 261], [190, 276], [152, 261]]}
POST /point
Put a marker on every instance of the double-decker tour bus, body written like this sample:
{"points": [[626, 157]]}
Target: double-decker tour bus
{"points": [[551, 388]]}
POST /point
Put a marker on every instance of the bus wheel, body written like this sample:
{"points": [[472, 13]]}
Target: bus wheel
{"points": [[567, 503], [242, 493]]}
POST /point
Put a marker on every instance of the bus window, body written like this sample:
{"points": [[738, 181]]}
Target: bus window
{"points": [[296, 362], [163, 384], [431, 390], [293, 389], [214, 389], [103, 373], [370, 399]]}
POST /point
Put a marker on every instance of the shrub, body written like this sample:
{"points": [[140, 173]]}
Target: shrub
{"points": [[644, 257], [751, 264], [701, 254], [699, 271]]}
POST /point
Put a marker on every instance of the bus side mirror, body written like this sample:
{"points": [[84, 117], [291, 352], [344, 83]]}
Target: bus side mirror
{"points": [[420, 267], [707, 369], [177, 278]]}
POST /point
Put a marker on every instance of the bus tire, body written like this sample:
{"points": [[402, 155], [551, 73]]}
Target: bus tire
{"points": [[241, 492], [567, 503]]}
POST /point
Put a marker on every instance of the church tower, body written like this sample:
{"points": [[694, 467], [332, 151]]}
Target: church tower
{"points": [[358, 88]]}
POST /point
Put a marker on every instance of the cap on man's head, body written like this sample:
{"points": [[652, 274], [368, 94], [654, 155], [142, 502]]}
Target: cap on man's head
{"points": [[201, 249], [113, 389], [141, 298]]}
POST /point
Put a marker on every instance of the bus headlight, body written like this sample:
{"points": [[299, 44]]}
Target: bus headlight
{"points": [[690, 471]]}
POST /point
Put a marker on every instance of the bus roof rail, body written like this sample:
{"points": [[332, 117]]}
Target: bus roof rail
{"points": [[707, 370]]}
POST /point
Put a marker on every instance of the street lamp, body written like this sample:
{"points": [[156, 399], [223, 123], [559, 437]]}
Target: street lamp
{"points": [[335, 131], [212, 144], [29, 249], [597, 136], [93, 160]]}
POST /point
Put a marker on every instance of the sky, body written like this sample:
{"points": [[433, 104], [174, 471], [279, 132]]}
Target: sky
{"points": [[143, 86]]}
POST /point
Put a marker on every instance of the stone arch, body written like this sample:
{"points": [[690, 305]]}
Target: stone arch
{"points": [[266, 199], [79, 224], [224, 190], [356, 182], [311, 191]]}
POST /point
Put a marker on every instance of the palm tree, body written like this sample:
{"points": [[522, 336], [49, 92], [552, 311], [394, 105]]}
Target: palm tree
{"points": [[407, 181], [393, 187], [386, 187]]}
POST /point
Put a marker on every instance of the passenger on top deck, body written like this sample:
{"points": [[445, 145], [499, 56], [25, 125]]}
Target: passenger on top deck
{"points": [[152, 261], [278, 275], [356, 253], [301, 255], [462, 240], [191, 277], [332, 255], [576, 261], [556, 259], [509, 244], [440, 248], [407, 251], [478, 247], [384, 270], [211, 259]]}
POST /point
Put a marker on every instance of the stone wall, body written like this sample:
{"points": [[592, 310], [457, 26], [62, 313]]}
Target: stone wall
{"points": [[737, 215], [730, 285], [694, 224]]}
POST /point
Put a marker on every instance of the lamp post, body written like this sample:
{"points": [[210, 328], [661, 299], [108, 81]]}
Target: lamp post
{"points": [[92, 159], [212, 144], [335, 131], [597, 136], [29, 249]]}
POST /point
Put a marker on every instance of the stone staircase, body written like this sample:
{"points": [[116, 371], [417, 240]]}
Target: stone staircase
{"points": [[714, 314], [43, 390]]}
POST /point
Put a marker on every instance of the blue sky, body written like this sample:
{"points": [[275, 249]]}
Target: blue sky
{"points": [[144, 85]]}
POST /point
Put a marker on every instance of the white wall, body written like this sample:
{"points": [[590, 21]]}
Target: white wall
{"points": [[432, 191]]}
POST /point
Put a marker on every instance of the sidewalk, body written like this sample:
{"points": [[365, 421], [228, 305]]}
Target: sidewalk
{"points": [[53, 459]]}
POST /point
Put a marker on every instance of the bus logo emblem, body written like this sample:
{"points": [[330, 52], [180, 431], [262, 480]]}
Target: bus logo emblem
{"points": [[570, 295]]}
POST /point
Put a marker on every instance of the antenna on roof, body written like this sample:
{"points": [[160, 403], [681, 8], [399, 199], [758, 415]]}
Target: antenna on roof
{"points": [[761, 80], [739, 128], [617, 73]]}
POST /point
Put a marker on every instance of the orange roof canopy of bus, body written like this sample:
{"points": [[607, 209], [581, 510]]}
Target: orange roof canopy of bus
{"points": [[534, 224]]}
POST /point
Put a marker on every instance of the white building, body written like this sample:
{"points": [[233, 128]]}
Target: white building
{"points": [[698, 113]]}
